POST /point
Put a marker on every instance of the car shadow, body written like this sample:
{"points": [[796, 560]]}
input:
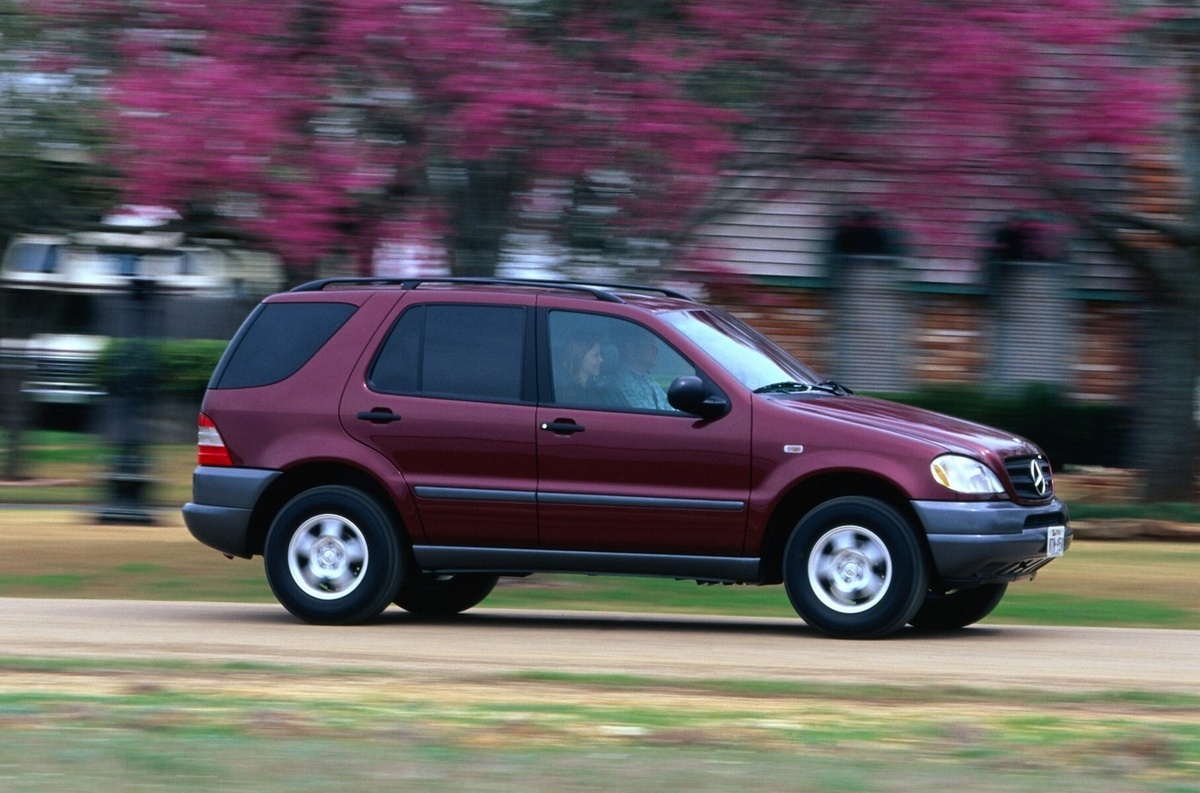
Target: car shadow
{"points": [[657, 623], [535, 620]]}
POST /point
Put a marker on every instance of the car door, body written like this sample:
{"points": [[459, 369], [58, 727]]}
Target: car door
{"points": [[449, 399], [619, 469]]}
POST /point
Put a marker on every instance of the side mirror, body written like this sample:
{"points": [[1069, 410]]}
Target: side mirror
{"points": [[693, 395]]}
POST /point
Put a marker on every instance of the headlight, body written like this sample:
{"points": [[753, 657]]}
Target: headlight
{"points": [[964, 475]]}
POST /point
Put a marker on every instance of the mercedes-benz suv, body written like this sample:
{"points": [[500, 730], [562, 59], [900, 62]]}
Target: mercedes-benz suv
{"points": [[411, 441]]}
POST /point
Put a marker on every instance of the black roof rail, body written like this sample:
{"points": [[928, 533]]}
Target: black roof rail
{"points": [[601, 291]]}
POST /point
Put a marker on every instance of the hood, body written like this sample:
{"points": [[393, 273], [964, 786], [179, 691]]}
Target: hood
{"points": [[947, 432]]}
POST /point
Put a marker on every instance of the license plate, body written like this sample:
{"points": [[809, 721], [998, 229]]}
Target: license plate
{"points": [[1056, 537]]}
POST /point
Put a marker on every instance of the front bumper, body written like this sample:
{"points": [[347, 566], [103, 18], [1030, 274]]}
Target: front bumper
{"points": [[223, 504], [989, 542]]}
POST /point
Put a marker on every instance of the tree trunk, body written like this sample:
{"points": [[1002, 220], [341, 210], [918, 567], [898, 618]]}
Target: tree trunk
{"points": [[1165, 444], [482, 202]]}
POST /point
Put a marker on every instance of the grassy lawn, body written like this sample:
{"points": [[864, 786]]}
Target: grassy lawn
{"points": [[69, 468], [201, 728], [52, 552], [63, 553], [248, 727]]}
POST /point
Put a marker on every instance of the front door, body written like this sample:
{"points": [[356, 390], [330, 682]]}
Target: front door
{"points": [[619, 469]]}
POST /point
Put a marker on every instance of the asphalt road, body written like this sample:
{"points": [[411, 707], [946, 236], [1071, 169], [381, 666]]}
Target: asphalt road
{"points": [[487, 641]]}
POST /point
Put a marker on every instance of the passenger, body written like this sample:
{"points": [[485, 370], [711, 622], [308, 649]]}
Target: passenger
{"points": [[581, 361]]}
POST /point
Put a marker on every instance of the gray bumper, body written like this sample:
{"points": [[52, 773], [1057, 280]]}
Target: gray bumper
{"points": [[989, 542], [223, 501]]}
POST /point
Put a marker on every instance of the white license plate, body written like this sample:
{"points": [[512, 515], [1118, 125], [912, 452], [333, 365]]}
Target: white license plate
{"points": [[1056, 538]]}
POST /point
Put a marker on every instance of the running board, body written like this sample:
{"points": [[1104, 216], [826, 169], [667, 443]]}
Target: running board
{"points": [[520, 561]]}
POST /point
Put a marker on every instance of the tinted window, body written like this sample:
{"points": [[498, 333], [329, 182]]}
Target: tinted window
{"points": [[612, 364], [276, 341], [473, 352]]}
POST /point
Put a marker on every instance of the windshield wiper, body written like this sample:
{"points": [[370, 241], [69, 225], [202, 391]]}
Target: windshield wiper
{"points": [[786, 387], [833, 387]]}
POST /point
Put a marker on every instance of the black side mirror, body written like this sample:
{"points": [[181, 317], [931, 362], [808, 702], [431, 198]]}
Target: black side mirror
{"points": [[693, 395]]}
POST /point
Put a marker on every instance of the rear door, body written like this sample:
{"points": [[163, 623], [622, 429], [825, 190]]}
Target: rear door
{"points": [[448, 398]]}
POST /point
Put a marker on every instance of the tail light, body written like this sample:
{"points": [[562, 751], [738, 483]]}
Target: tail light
{"points": [[210, 447]]}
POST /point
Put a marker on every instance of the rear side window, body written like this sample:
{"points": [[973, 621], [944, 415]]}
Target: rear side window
{"points": [[455, 351], [276, 341]]}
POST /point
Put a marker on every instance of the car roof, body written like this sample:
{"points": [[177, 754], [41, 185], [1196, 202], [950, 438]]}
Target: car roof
{"points": [[649, 297]]}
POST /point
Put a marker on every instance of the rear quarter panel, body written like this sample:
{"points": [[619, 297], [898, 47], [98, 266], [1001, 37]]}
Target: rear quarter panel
{"points": [[295, 422]]}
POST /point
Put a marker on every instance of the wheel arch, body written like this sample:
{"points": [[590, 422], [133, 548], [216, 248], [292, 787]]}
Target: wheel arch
{"points": [[809, 493], [309, 475]]}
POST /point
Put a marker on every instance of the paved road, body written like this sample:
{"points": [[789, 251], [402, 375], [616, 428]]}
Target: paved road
{"points": [[489, 641]]}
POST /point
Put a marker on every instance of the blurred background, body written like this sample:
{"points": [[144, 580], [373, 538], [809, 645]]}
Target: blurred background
{"points": [[987, 208]]}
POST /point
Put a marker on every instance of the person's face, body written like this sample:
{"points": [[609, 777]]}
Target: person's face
{"points": [[641, 354], [592, 361]]}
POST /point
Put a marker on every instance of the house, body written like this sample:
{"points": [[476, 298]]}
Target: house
{"points": [[1004, 301]]}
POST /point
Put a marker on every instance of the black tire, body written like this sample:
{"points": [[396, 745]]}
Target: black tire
{"points": [[333, 557], [949, 611], [853, 569], [428, 595]]}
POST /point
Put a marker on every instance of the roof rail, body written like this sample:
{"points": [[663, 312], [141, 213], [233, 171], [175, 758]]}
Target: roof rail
{"points": [[601, 291]]}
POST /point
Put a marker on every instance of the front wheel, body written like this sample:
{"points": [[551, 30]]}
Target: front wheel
{"points": [[332, 556], [429, 595], [853, 569], [949, 611]]}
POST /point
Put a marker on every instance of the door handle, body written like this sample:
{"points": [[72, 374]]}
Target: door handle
{"points": [[378, 416], [562, 427]]}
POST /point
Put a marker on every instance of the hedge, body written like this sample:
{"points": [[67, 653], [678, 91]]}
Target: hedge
{"points": [[1069, 431], [172, 367]]}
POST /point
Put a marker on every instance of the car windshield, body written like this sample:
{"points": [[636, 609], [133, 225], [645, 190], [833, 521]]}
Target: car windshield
{"points": [[756, 361]]}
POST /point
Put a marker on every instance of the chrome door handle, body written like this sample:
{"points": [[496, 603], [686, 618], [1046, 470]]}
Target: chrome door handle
{"points": [[562, 427]]}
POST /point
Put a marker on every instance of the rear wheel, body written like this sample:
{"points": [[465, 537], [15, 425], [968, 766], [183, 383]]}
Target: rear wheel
{"points": [[429, 595], [853, 569], [332, 556], [949, 611]]}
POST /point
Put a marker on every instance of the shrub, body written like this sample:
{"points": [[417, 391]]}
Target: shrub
{"points": [[1070, 432], [176, 368]]}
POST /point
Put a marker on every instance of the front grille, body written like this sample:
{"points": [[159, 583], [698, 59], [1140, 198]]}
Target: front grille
{"points": [[1026, 474], [65, 370]]}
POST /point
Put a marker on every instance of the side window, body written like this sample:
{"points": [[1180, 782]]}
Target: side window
{"points": [[276, 341], [456, 351], [610, 363]]}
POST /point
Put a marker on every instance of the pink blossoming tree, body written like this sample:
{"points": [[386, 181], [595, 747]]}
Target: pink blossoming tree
{"points": [[322, 127]]}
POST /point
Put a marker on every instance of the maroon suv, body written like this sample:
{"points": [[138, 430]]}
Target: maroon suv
{"points": [[383, 441]]}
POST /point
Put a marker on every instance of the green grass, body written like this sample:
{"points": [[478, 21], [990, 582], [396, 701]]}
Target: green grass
{"points": [[1120, 584], [188, 726], [63, 554], [1029, 607], [70, 468], [277, 729]]}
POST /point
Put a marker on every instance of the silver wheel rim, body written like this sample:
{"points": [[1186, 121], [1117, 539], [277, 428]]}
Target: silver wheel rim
{"points": [[327, 557], [850, 569]]}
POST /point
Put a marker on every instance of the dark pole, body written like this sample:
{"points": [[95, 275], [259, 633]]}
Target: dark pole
{"points": [[133, 401], [13, 367]]}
